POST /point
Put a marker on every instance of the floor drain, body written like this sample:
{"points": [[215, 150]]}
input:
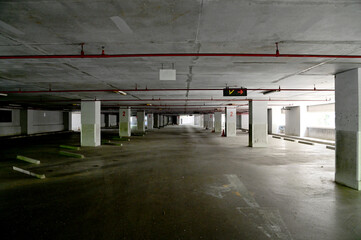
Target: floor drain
{"points": [[95, 165]]}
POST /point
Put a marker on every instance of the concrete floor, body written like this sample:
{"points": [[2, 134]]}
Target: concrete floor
{"points": [[176, 183]]}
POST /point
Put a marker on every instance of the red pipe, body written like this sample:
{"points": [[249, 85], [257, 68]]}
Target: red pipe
{"points": [[205, 100], [170, 89], [178, 55], [189, 100]]}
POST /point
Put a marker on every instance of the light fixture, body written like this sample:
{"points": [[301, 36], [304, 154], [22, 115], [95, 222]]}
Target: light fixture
{"points": [[3, 94], [268, 92], [121, 92]]}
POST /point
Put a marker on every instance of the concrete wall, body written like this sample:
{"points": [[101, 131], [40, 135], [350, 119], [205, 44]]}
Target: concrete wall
{"points": [[38, 121], [45, 121], [11, 128], [322, 133]]}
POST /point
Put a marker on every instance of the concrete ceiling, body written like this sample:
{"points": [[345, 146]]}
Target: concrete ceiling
{"points": [[188, 26]]}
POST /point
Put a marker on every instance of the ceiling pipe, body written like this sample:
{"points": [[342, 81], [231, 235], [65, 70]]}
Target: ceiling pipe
{"points": [[168, 90], [188, 100], [151, 55]]}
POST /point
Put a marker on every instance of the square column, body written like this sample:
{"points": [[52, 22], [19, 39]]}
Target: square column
{"points": [[106, 120], [258, 136], [296, 121], [150, 122], [141, 121], [231, 114], [124, 122], [67, 121], [205, 120], [211, 121], [239, 121], [90, 123], [348, 128], [218, 122], [156, 121], [201, 120]]}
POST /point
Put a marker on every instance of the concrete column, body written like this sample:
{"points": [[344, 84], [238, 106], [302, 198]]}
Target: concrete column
{"points": [[201, 120], [124, 122], [205, 120], [211, 121], [67, 121], [296, 121], [90, 123], [348, 128], [106, 120], [231, 114], [150, 121], [156, 120], [258, 136], [275, 117], [24, 121], [239, 121], [218, 122], [141, 121]]}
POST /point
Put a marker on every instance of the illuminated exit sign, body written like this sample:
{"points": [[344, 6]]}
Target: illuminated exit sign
{"points": [[234, 92]]}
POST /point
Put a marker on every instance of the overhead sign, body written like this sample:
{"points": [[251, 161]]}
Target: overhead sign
{"points": [[234, 92]]}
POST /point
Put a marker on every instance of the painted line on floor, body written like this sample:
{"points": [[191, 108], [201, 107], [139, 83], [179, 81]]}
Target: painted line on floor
{"points": [[237, 185], [70, 154], [40, 176], [112, 143], [69, 147], [26, 159], [268, 221], [289, 139], [331, 147], [121, 139], [276, 137], [308, 143]]}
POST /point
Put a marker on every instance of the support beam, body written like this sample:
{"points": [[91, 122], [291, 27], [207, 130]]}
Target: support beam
{"points": [[258, 124], [348, 128], [90, 123], [231, 114], [124, 122]]}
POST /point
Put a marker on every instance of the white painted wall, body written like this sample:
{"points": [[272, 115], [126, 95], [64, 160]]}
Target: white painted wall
{"points": [[13, 128]]}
